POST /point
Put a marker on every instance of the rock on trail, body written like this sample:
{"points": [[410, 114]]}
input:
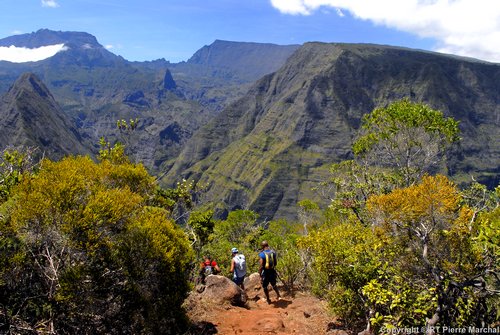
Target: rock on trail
{"points": [[224, 309]]}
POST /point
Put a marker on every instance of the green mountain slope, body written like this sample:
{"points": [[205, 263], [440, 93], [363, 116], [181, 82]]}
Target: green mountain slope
{"points": [[267, 150], [29, 116]]}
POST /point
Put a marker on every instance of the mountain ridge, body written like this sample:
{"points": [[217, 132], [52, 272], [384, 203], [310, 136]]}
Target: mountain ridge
{"points": [[95, 88], [45, 37], [263, 141], [280, 139], [30, 116]]}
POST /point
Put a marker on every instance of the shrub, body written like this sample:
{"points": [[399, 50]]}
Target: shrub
{"points": [[86, 255]]}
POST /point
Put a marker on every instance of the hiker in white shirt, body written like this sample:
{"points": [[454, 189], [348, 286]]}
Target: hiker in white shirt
{"points": [[238, 267]]}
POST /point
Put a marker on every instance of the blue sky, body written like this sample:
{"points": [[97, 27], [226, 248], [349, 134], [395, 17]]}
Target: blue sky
{"points": [[175, 29]]}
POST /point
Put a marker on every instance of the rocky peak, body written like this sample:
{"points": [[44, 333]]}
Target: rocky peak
{"points": [[29, 84], [168, 81], [29, 116]]}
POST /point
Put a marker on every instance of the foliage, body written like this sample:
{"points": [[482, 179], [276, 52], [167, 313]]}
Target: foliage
{"points": [[346, 258], [178, 201], [83, 253], [115, 153], [125, 126], [14, 164], [488, 240], [200, 225], [422, 255], [409, 137], [351, 184], [438, 253], [240, 230], [309, 213]]}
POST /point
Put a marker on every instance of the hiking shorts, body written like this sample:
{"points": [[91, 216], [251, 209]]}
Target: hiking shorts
{"points": [[238, 280], [268, 277]]}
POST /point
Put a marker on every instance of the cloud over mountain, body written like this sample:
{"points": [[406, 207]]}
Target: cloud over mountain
{"points": [[463, 27], [20, 55]]}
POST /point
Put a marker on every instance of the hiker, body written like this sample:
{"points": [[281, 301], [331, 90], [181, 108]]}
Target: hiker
{"points": [[208, 267], [267, 271], [238, 267]]}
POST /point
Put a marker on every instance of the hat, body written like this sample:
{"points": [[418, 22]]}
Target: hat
{"points": [[234, 250]]}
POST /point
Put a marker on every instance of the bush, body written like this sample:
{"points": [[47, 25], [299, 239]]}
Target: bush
{"points": [[82, 253]]}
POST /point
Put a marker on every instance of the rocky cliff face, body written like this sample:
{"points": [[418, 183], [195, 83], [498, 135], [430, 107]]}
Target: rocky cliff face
{"points": [[29, 116], [267, 150], [244, 59]]}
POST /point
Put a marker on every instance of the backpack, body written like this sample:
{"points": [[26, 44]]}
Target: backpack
{"points": [[240, 263], [270, 259], [208, 270]]}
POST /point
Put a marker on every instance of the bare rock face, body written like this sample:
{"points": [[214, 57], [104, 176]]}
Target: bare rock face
{"points": [[253, 286], [222, 290]]}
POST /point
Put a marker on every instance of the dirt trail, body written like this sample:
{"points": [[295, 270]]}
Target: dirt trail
{"points": [[298, 314]]}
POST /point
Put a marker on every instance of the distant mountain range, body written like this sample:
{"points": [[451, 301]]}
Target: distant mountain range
{"points": [[258, 123], [95, 88]]}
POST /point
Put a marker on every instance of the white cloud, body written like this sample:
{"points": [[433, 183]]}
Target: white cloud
{"points": [[21, 55], [109, 46], [50, 3], [463, 27]]}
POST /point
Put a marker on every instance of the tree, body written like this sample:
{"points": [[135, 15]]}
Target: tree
{"points": [[408, 137], [350, 186], [200, 225], [83, 252], [439, 255], [308, 212], [241, 230], [14, 164]]}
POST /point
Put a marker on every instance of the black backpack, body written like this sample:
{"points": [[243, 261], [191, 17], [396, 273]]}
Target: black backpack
{"points": [[270, 260]]}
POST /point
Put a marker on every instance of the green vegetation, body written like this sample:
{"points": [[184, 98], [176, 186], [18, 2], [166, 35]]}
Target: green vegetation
{"points": [[400, 248], [409, 137], [83, 251], [99, 248]]}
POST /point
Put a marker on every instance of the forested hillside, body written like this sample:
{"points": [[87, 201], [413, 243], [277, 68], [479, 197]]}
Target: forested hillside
{"points": [[268, 150], [99, 248]]}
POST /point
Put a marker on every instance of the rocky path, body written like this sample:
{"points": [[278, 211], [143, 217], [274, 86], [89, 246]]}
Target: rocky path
{"points": [[299, 313], [291, 315]]}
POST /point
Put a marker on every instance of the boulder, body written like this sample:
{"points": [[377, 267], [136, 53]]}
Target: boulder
{"points": [[253, 286], [222, 290]]}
